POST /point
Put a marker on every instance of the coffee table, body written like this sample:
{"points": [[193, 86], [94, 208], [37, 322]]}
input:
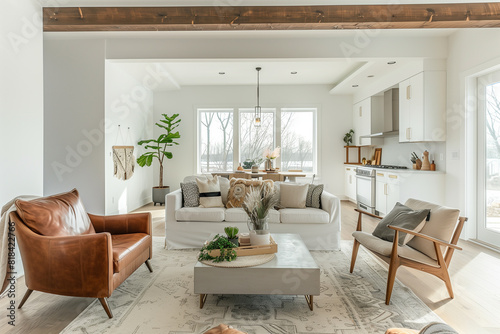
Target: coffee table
{"points": [[293, 271]]}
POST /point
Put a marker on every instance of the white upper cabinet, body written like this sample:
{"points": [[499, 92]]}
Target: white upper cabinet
{"points": [[422, 107], [368, 119]]}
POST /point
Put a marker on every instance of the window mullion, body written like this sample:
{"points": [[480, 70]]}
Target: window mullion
{"points": [[277, 133], [236, 138]]}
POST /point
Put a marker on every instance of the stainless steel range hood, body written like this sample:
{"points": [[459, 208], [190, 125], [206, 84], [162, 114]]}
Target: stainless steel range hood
{"points": [[391, 115]]}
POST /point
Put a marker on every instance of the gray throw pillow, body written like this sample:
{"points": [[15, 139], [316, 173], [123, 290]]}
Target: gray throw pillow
{"points": [[190, 194], [313, 199], [404, 217], [437, 328]]}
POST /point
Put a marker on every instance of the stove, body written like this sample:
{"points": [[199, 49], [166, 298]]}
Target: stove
{"points": [[387, 166]]}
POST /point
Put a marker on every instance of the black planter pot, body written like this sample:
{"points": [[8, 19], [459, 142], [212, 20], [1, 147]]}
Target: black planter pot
{"points": [[159, 194]]}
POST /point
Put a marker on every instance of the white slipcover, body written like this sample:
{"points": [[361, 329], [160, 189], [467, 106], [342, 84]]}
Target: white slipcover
{"points": [[304, 216]]}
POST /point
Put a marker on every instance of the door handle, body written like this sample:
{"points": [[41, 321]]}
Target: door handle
{"points": [[408, 92], [385, 189]]}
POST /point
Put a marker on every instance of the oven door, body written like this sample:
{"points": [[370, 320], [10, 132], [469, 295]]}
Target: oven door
{"points": [[365, 190]]}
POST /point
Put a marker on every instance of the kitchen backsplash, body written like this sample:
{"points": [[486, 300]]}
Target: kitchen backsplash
{"points": [[395, 153]]}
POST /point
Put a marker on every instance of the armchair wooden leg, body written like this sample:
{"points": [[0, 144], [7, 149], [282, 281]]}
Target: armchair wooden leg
{"points": [[105, 305], [25, 298], [149, 266], [355, 249]]}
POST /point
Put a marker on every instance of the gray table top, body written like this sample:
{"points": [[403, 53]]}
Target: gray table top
{"points": [[292, 254]]}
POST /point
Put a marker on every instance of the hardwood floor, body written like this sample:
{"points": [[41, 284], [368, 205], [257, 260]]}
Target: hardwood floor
{"points": [[475, 273]]}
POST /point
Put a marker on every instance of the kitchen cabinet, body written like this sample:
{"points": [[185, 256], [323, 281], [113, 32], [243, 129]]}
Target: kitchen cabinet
{"points": [[350, 183], [422, 107], [387, 191], [368, 119]]}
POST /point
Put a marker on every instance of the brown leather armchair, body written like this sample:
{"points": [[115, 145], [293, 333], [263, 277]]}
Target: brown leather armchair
{"points": [[67, 252]]}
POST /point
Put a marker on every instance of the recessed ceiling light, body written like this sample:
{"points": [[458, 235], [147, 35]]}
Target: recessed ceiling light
{"points": [[294, 72], [391, 62], [371, 76], [222, 73], [355, 86]]}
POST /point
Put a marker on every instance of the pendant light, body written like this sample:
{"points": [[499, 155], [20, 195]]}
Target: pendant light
{"points": [[258, 109]]}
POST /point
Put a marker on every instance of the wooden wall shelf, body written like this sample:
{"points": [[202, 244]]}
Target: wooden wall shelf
{"points": [[347, 162]]}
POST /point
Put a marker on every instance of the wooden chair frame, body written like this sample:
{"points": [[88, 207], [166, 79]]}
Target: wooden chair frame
{"points": [[395, 261]]}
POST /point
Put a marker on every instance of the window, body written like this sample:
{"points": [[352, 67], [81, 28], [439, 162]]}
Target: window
{"points": [[222, 149], [216, 140], [254, 140], [297, 139]]}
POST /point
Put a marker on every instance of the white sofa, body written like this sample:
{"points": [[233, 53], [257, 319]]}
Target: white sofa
{"points": [[188, 227]]}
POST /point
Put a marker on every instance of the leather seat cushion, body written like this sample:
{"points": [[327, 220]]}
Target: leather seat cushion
{"points": [[57, 215], [200, 214], [127, 248], [304, 216], [384, 248]]}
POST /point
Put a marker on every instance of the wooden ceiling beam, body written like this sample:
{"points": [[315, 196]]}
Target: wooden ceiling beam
{"points": [[457, 15]]}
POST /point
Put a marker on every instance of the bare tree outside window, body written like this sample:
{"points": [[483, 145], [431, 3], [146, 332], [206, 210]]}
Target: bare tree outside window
{"points": [[297, 131], [216, 140], [254, 140]]}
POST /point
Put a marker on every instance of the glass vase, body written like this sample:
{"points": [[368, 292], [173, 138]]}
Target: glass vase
{"points": [[269, 164], [259, 231]]}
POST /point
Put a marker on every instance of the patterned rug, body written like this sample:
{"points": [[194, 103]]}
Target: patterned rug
{"points": [[163, 302]]}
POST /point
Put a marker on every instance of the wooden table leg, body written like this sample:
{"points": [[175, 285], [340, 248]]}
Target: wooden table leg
{"points": [[309, 299], [203, 298]]}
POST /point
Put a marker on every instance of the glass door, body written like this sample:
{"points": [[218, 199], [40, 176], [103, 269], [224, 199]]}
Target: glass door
{"points": [[488, 229]]}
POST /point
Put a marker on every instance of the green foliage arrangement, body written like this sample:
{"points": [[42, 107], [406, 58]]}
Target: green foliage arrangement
{"points": [[227, 253], [158, 147], [231, 232], [348, 137]]}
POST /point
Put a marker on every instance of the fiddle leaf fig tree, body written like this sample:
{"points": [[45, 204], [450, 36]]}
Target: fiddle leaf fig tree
{"points": [[157, 148]]}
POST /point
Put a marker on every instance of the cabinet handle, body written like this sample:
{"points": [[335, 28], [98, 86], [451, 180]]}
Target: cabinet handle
{"points": [[393, 176], [380, 174], [385, 189], [408, 92], [408, 133], [360, 111], [350, 179], [347, 169]]}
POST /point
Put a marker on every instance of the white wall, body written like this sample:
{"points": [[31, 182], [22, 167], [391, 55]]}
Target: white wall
{"points": [[469, 51], [21, 99], [74, 119], [129, 118], [334, 119]]}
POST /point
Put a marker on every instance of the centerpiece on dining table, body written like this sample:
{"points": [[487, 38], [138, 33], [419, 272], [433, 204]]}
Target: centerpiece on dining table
{"points": [[270, 157], [257, 204]]}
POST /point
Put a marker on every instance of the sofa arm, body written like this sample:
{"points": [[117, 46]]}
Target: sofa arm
{"points": [[123, 224], [80, 266], [173, 203], [331, 204]]}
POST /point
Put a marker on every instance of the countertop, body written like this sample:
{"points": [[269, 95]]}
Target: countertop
{"points": [[399, 171]]}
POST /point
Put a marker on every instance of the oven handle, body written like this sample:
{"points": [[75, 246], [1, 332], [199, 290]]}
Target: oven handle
{"points": [[369, 178]]}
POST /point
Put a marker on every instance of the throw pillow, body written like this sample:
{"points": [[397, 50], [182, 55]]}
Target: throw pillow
{"points": [[314, 192], [238, 189], [404, 217], [57, 215], [437, 328], [190, 194], [210, 195], [293, 195], [223, 329]]}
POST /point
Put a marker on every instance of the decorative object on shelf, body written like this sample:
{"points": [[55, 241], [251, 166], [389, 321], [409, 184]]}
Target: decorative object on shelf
{"points": [[247, 164], [239, 167], [158, 149], [255, 169], [258, 109], [378, 156], [258, 202], [232, 234], [348, 137], [433, 166], [417, 163], [225, 247], [426, 165], [270, 156], [363, 161]]}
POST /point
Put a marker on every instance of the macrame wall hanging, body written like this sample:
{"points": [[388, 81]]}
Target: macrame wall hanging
{"points": [[123, 159]]}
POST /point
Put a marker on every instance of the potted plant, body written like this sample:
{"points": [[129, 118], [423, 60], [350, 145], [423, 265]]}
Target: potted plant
{"points": [[232, 234], [221, 244], [157, 148], [258, 202], [270, 156], [348, 137]]}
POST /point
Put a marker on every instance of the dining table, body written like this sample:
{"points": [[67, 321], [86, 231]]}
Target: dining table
{"points": [[282, 176]]}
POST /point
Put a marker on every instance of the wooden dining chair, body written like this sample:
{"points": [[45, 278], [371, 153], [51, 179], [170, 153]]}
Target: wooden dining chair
{"points": [[240, 176], [430, 250], [273, 176]]}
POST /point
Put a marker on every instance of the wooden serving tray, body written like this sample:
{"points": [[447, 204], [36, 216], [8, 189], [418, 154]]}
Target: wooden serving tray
{"points": [[251, 250]]}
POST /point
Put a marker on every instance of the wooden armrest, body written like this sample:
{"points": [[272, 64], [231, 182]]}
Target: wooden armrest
{"points": [[368, 214], [438, 241]]}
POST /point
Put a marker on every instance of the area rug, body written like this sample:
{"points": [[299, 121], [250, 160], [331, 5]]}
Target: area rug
{"points": [[164, 302]]}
